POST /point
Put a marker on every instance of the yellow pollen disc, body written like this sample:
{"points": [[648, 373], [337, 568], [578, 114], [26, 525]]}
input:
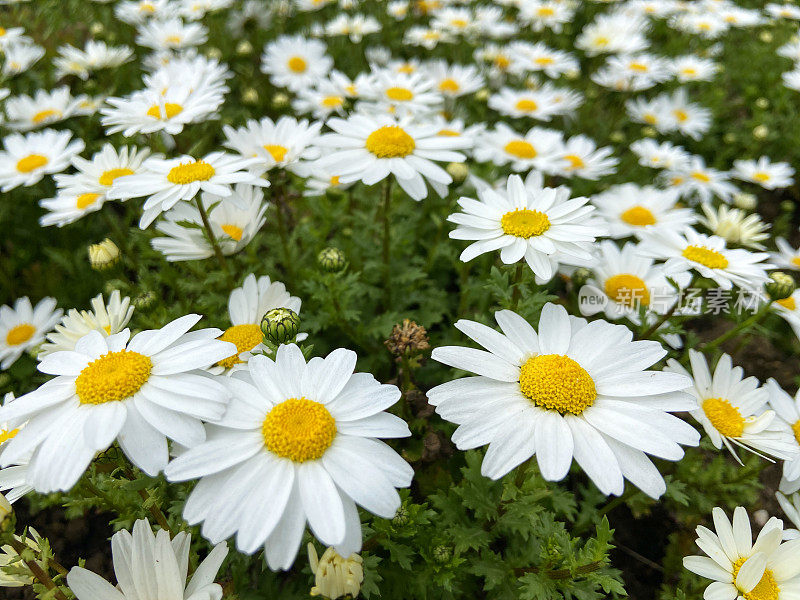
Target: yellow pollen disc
{"points": [[602, 41], [31, 163], [113, 377], [766, 588], [246, 337], [628, 290], [546, 11], [6, 434], [351, 89], [190, 172], [20, 334], [108, 177], [299, 429], [796, 430], [170, 110], [520, 149], [796, 261], [459, 23], [638, 216], [787, 303], [334, 181], [332, 101], [390, 141], [761, 176], [399, 94], [650, 119], [689, 71], [449, 85], [147, 7], [706, 257], [297, 64], [502, 62], [277, 152], [233, 231], [524, 223], [173, 39], [46, 114], [556, 382], [2, 31], [704, 26], [526, 105], [637, 66], [681, 115], [407, 69], [700, 176], [544, 60], [725, 417], [85, 200], [575, 161], [448, 133]]}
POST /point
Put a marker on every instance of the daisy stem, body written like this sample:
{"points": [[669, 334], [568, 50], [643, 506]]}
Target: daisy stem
{"points": [[210, 233], [387, 205], [37, 570], [743, 326], [516, 295], [283, 231], [657, 325]]}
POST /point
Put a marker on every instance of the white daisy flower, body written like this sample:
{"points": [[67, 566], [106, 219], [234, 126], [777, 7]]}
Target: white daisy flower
{"points": [[12, 479], [696, 180], [286, 143], [171, 34], [234, 227], [787, 410], [197, 9], [536, 149], [580, 157], [454, 81], [786, 257], [708, 255], [614, 33], [93, 57], [20, 57], [492, 22], [691, 67], [788, 310], [167, 182], [23, 327], [783, 11], [764, 570], [538, 57], [135, 12], [735, 226], [44, 108], [401, 94], [732, 408], [12, 36], [791, 508], [664, 155], [247, 305], [763, 172], [306, 433], [546, 14], [321, 101], [137, 392], [686, 117], [456, 21], [542, 103], [151, 566], [295, 62], [427, 37], [353, 26], [545, 227], [370, 149], [629, 209], [572, 389], [107, 319]]}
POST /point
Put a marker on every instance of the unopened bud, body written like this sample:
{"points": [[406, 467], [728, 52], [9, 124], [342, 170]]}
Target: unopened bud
{"points": [[580, 276], [96, 28], [765, 36], [780, 285], [401, 517], [144, 300], [334, 575], [442, 554], [103, 255], [214, 53], [458, 171], [244, 47], [744, 201], [762, 103], [482, 95], [617, 137], [250, 96], [649, 132], [331, 260], [760, 132], [280, 100], [280, 325]]}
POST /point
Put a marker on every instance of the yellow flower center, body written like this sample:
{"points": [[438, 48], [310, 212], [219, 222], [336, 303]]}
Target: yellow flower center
{"points": [[766, 588], [20, 334], [502, 62], [520, 149], [689, 71], [706, 257], [7, 434], [545, 11], [390, 141], [544, 60], [46, 114], [332, 101], [233, 231], [299, 429], [173, 40], [524, 223], [761, 176], [399, 94], [108, 177], [628, 290], [2, 31], [787, 303], [277, 152], [113, 377], [638, 67], [461, 23], [601, 41], [526, 105], [170, 110], [407, 69], [638, 216], [575, 161], [190, 172], [725, 417], [681, 115], [31, 163], [246, 337], [700, 176], [448, 133], [85, 200], [796, 261], [556, 382], [650, 119], [449, 85], [796, 430], [334, 181]]}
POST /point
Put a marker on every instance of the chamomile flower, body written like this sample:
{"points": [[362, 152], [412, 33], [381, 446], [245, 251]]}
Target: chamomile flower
{"points": [[580, 157], [321, 101], [732, 408], [107, 319], [786, 257], [791, 508], [543, 226], [26, 159], [12, 479], [570, 389], [766, 569], [546, 14], [613, 33], [370, 149], [693, 68], [24, 326], [19, 58], [138, 391], [686, 117], [541, 104], [630, 210], [789, 310], [93, 57], [44, 108], [135, 12], [536, 149], [763, 172], [539, 57], [354, 27], [735, 226], [286, 143], [235, 220], [167, 182], [197, 9], [427, 37], [664, 155], [787, 410], [171, 34], [642, 71], [455, 21], [454, 81], [308, 433], [295, 62], [156, 559], [707, 255], [247, 305], [401, 94]]}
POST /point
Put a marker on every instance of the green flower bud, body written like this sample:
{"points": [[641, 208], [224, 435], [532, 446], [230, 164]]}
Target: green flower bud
{"points": [[144, 300], [331, 260], [103, 255], [617, 137], [458, 171], [401, 517], [244, 47], [762, 102], [442, 554], [280, 325], [780, 285], [250, 96], [580, 276], [760, 132], [280, 100], [482, 95]]}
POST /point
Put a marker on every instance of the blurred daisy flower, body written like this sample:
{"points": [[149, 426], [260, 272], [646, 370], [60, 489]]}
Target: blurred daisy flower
{"points": [[26, 159]]}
